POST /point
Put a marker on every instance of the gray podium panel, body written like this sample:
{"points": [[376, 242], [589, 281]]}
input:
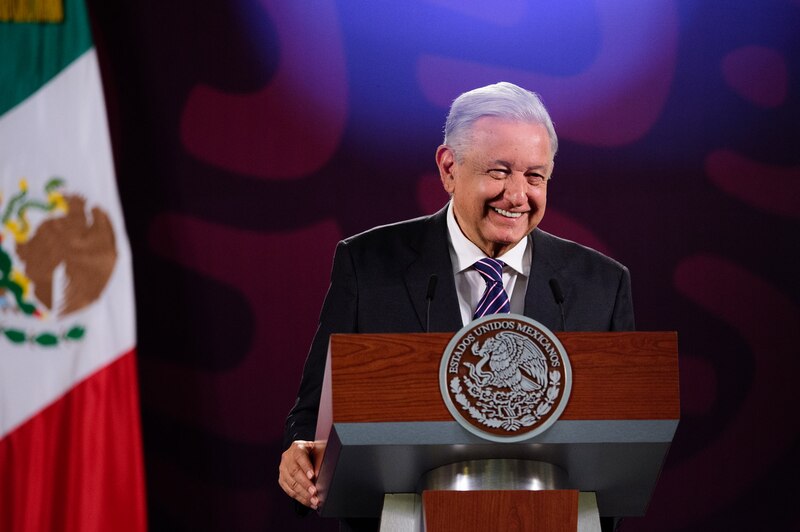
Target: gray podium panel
{"points": [[619, 460]]}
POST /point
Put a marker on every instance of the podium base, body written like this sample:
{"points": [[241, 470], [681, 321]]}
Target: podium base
{"points": [[480, 494], [402, 512], [495, 474]]}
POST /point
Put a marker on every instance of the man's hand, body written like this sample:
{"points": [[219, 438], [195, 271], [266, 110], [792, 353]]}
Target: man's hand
{"points": [[296, 474]]}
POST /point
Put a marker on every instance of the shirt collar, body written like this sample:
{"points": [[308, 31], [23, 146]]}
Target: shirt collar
{"points": [[467, 253]]}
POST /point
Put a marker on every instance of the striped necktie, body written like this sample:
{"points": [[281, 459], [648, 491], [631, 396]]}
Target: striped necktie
{"points": [[494, 299]]}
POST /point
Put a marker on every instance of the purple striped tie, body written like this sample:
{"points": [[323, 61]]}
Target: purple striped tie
{"points": [[494, 299]]}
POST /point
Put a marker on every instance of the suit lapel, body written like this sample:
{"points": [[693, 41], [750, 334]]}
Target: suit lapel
{"points": [[433, 257], [539, 302]]}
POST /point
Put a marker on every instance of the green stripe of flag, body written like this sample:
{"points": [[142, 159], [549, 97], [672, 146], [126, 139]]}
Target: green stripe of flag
{"points": [[33, 53]]}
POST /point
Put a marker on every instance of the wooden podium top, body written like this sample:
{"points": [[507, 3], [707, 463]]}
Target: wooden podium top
{"points": [[395, 377]]}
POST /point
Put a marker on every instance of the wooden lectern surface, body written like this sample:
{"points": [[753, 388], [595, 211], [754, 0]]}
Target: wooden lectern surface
{"points": [[395, 377]]}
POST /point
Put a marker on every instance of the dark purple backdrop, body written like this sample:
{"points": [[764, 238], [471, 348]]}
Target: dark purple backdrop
{"points": [[251, 135]]}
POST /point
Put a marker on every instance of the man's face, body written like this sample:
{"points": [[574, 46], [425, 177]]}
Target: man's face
{"points": [[499, 187]]}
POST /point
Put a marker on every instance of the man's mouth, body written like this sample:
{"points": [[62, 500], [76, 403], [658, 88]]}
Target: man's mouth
{"points": [[507, 214]]}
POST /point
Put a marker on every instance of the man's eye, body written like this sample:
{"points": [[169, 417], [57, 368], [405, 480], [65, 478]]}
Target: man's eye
{"points": [[498, 173], [536, 179]]}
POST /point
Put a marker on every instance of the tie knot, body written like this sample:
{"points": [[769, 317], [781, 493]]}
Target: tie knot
{"points": [[490, 269]]}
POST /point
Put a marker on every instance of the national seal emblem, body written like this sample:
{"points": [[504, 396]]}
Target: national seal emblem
{"points": [[505, 377]]}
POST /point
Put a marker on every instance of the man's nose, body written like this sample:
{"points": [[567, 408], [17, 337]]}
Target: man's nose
{"points": [[515, 188]]}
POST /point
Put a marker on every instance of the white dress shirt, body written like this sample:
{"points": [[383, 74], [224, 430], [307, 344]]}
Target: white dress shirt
{"points": [[469, 283]]}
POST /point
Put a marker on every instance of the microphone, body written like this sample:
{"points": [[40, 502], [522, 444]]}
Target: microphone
{"points": [[558, 295], [428, 298]]}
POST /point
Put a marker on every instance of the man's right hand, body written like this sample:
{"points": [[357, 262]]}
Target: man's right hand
{"points": [[296, 473]]}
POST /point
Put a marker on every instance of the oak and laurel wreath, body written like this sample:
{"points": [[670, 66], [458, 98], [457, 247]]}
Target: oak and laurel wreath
{"points": [[541, 410], [45, 339]]}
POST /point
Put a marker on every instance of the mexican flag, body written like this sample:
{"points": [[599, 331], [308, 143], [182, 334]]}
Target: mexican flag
{"points": [[70, 439]]}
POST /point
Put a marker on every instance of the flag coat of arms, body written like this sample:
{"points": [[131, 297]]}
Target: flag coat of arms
{"points": [[70, 439]]}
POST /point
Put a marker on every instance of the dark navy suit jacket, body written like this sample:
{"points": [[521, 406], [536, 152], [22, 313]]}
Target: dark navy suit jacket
{"points": [[379, 284]]}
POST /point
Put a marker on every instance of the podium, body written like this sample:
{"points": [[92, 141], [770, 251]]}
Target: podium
{"points": [[385, 426]]}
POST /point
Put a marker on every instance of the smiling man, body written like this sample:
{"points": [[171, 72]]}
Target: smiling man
{"points": [[484, 248]]}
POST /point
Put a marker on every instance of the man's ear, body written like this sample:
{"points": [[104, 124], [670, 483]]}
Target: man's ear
{"points": [[445, 161]]}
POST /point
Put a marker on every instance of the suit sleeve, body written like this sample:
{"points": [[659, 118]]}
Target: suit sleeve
{"points": [[339, 314], [622, 318]]}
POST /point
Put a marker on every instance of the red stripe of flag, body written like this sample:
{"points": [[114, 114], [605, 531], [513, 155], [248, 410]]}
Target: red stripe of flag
{"points": [[77, 465]]}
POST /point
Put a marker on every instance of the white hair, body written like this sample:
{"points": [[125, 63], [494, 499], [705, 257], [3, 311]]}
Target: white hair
{"points": [[501, 100]]}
